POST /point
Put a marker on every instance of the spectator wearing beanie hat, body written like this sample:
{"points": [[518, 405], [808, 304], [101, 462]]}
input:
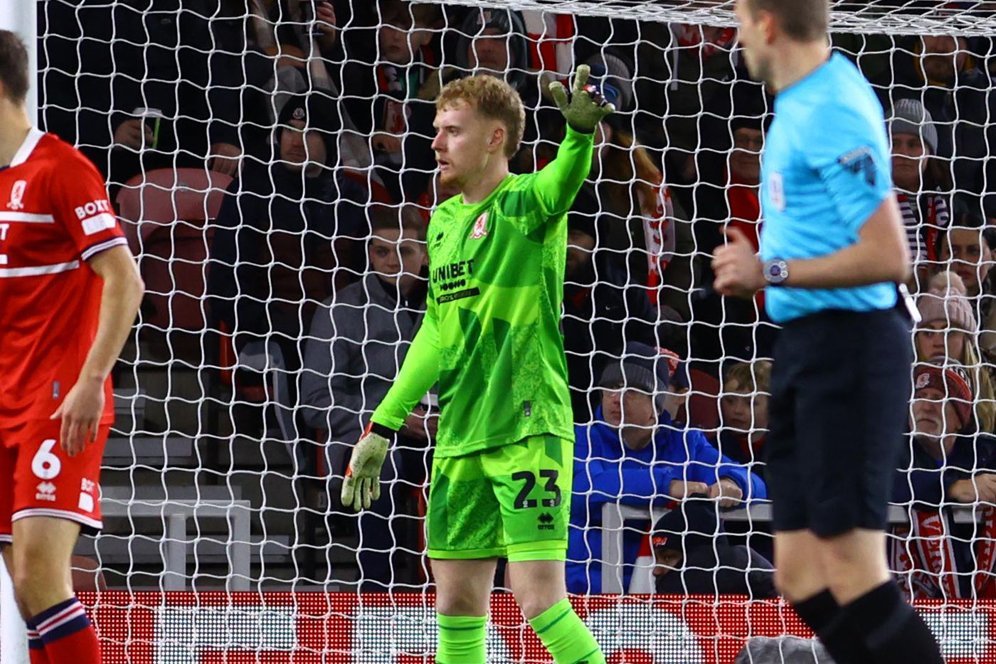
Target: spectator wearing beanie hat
{"points": [[281, 240], [946, 461], [948, 329], [633, 454], [694, 557], [918, 175]]}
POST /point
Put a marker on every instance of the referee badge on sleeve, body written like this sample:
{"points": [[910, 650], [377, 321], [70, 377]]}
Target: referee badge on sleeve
{"points": [[776, 191]]}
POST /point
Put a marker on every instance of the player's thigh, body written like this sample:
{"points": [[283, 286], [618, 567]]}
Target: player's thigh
{"points": [[855, 405], [781, 447], [532, 480], [463, 520], [463, 587], [8, 460], [50, 483]]}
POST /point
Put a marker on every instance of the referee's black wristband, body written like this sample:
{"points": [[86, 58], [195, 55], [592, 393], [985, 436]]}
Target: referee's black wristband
{"points": [[382, 430]]}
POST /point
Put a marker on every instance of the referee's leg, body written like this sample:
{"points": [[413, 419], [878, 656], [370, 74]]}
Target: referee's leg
{"points": [[838, 411]]}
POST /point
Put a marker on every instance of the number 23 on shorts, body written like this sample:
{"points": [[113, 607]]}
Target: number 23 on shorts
{"points": [[553, 496]]}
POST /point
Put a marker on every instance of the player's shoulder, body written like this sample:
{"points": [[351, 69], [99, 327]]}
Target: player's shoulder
{"points": [[53, 153], [841, 95]]}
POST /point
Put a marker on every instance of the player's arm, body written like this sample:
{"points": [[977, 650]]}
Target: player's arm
{"points": [[583, 108], [121, 295], [419, 372], [854, 170]]}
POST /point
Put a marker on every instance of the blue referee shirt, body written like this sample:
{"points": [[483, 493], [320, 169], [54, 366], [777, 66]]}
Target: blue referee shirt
{"points": [[826, 169]]}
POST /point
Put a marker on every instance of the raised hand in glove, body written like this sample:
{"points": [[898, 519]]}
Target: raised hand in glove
{"points": [[585, 106], [361, 487]]}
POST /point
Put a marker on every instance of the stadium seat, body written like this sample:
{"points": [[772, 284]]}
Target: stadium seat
{"points": [[703, 400], [165, 215]]}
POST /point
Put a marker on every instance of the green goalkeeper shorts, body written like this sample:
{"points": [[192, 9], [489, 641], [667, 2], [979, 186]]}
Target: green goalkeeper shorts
{"points": [[512, 501]]}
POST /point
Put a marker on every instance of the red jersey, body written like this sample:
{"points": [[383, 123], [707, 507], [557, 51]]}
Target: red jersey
{"points": [[54, 216]]}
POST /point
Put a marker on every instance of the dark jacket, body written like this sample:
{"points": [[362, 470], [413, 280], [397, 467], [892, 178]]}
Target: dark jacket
{"points": [[272, 257], [721, 569], [923, 482], [606, 471], [960, 113]]}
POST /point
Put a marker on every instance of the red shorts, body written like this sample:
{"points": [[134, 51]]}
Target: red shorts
{"points": [[46, 480]]}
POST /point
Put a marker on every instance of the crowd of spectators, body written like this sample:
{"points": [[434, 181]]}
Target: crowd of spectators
{"points": [[322, 113]]}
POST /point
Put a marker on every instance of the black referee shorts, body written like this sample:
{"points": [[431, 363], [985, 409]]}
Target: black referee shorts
{"points": [[840, 390]]}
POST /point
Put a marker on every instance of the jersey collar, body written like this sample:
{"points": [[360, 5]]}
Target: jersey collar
{"points": [[30, 141]]}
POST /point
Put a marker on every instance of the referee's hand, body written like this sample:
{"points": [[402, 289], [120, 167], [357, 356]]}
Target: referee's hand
{"points": [[737, 268]]}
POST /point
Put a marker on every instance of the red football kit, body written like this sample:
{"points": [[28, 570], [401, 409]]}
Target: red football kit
{"points": [[54, 217]]}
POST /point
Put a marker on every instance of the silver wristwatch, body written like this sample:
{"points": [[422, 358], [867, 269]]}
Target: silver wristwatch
{"points": [[776, 271]]}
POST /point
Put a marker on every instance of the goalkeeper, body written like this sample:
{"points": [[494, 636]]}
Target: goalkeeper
{"points": [[501, 477]]}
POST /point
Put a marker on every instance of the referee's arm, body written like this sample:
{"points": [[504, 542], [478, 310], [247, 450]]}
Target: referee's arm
{"points": [[881, 254]]}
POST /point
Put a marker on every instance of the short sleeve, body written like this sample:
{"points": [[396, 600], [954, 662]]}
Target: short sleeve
{"points": [[849, 152], [81, 206]]}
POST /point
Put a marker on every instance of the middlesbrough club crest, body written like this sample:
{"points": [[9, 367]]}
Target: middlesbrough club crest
{"points": [[480, 227]]}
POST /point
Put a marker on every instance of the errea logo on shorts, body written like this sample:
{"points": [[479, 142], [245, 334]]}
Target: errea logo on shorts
{"points": [[45, 491], [95, 215]]}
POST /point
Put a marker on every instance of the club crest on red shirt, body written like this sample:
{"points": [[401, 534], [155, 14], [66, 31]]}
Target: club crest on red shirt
{"points": [[480, 227]]}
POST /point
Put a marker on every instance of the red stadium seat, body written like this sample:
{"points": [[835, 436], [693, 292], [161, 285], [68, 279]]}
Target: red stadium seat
{"points": [[703, 401], [165, 215]]}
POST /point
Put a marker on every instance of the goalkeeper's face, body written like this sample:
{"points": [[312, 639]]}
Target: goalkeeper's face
{"points": [[466, 144]]}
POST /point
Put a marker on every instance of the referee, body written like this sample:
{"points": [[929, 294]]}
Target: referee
{"points": [[832, 250]]}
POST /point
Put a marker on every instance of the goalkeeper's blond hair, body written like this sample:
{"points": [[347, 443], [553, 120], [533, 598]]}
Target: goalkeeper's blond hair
{"points": [[494, 99]]}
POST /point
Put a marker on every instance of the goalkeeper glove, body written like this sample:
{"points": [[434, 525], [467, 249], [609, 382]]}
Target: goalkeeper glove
{"points": [[361, 486], [585, 107]]}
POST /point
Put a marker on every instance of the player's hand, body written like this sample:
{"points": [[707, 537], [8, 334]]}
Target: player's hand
{"points": [[585, 106], [80, 412], [134, 134], [727, 492], [225, 158], [738, 270], [361, 486], [679, 489]]}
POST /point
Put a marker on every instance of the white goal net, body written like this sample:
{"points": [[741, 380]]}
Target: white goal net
{"points": [[271, 165]]}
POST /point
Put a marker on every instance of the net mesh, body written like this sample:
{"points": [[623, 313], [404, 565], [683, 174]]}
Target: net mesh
{"points": [[267, 337]]}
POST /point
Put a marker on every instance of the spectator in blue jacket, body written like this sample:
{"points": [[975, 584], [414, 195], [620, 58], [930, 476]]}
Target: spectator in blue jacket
{"points": [[633, 454]]}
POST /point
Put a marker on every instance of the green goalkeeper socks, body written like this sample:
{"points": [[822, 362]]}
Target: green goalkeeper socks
{"points": [[566, 636], [461, 639]]}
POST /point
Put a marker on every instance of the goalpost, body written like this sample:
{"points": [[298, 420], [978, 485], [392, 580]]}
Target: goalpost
{"points": [[221, 537]]}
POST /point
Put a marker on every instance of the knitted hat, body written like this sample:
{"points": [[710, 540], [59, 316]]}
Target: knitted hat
{"points": [[641, 367], [952, 381], [910, 117], [317, 114], [502, 22], [689, 525], [946, 301]]}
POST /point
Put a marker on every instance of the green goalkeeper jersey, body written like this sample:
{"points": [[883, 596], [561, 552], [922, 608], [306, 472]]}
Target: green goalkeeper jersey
{"points": [[491, 334]]}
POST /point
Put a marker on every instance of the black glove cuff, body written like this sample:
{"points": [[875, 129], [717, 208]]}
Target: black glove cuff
{"points": [[382, 430]]}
